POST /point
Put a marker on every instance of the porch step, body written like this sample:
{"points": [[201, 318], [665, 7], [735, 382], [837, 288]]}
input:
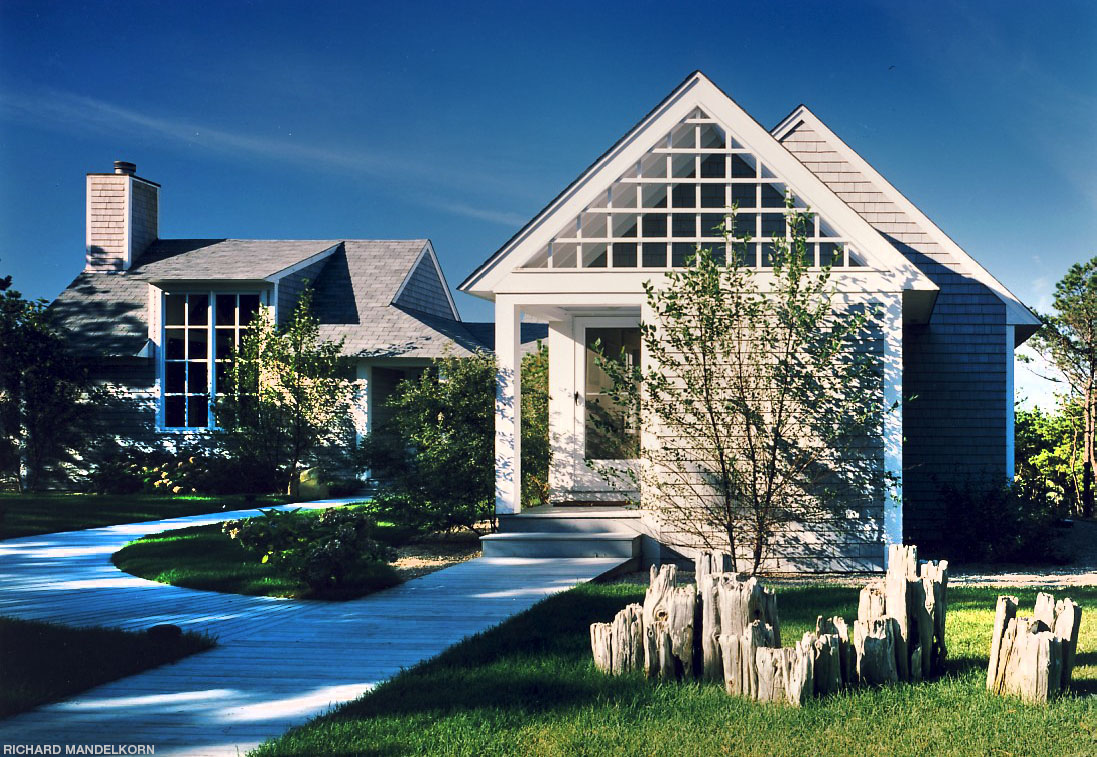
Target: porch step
{"points": [[562, 544], [571, 520]]}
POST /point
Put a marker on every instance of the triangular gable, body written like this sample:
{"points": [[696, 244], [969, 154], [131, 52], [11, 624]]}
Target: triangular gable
{"points": [[886, 208], [424, 288], [697, 152]]}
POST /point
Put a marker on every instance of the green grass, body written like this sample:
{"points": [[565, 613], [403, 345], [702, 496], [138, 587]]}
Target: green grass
{"points": [[201, 557], [529, 687], [32, 514], [44, 662]]}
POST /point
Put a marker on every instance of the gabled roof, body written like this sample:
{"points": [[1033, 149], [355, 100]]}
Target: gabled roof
{"points": [[107, 313], [1017, 313], [696, 91]]}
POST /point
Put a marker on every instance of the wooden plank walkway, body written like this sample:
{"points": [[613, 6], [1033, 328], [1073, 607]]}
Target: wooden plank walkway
{"points": [[278, 662]]}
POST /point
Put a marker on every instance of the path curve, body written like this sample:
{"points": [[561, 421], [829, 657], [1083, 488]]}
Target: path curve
{"points": [[278, 662]]}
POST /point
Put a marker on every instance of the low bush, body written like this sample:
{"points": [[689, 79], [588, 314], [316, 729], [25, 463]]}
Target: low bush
{"points": [[129, 470], [1014, 523], [324, 551]]}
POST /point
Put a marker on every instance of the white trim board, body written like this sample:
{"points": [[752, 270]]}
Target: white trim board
{"points": [[1017, 313]]}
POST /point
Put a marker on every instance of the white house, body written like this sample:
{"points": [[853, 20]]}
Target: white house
{"points": [[949, 328]]}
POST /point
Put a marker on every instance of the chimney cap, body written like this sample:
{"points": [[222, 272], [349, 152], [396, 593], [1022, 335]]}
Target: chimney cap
{"points": [[125, 167]]}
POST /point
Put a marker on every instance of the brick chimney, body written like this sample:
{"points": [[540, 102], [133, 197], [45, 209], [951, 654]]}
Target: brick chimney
{"points": [[123, 217]]}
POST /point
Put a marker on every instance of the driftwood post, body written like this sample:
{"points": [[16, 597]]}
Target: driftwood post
{"points": [[739, 654], [601, 643], [874, 647], [1068, 620], [935, 582], [1004, 612], [661, 581], [902, 601], [709, 568], [681, 604], [827, 664]]}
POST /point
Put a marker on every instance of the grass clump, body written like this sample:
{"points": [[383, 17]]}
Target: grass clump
{"points": [[529, 687], [46, 662]]}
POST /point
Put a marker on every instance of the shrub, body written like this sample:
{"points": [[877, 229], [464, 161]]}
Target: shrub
{"points": [[1013, 523], [324, 551]]}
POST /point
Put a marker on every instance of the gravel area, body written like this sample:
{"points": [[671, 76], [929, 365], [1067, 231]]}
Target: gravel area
{"points": [[1079, 543], [433, 553]]}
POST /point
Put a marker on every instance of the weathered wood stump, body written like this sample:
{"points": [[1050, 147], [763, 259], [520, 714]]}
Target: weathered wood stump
{"points": [[740, 603], [785, 674], [847, 659], [1032, 658], [738, 654], [827, 663], [661, 581], [935, 582]]}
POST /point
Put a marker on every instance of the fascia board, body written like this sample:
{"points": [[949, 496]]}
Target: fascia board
{"points": [[1017, 313], [277, 276], [564, 285]]}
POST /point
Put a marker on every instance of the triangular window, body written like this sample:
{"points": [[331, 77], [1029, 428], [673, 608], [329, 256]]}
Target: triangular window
{"points": [[679, 196]]}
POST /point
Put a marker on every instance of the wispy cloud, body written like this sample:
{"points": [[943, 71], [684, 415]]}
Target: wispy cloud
{"points": [[71, 112]]}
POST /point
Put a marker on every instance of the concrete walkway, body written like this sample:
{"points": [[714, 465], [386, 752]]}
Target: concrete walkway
{"points": [[278, 662]]}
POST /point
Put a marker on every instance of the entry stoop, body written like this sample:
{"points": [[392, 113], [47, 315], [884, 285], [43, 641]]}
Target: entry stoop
{"points": [[566, 532]]}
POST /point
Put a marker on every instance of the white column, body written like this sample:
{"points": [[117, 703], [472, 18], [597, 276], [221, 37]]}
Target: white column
{"points": [[566, 455], [508, 407], [1010, 430], [892, 317]]}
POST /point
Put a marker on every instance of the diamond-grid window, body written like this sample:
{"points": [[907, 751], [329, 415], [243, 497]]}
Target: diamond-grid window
{"points": [[677, 196]]}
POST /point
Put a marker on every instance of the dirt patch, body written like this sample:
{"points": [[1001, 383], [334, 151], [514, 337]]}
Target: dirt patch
{"points": [[435, 552]]}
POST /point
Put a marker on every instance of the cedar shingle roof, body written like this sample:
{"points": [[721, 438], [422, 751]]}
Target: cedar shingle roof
{"points": [[107, 313]]}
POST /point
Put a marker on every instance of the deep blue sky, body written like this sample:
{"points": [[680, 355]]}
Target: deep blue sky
{"points": [[460, 121]]}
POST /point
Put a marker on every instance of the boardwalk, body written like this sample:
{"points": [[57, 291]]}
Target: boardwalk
{"points": [[278, 662]]}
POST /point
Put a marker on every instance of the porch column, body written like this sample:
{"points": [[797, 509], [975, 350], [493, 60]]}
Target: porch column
{"points": [[508, 406], [892, 325]]}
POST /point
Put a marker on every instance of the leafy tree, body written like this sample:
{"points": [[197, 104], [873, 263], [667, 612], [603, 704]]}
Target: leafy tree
{"points": [[758, 397], [44, 393], [1068, 341], [288, 397], [435, 459], [1048, 452], [536, 450]]}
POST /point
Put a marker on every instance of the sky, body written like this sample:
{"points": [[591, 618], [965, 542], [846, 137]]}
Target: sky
{"points": [[460, 121]]}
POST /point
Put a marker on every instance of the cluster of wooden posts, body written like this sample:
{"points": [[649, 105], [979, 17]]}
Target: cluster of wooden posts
{"points": [[1033, 658], [725, 627]]}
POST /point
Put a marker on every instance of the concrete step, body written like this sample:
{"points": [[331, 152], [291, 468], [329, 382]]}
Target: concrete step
{"points": [[562, 544], [557, 521]]}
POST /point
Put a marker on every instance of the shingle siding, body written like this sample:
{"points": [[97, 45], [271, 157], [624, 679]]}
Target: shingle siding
{"points": [[424, 291], [291, 287], [954, 367], [106, 230]]}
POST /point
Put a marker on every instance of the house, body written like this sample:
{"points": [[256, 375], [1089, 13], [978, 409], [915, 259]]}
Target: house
{"points": [[948, 332], [155, 319]]}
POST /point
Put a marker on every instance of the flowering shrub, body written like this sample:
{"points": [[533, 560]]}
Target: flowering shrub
{"points": [[323, 551]]}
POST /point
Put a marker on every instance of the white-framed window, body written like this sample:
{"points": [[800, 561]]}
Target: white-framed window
{"points": [[199, 330]]}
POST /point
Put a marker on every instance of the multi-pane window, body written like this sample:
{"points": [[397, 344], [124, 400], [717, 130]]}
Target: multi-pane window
{"points": [[680, 196], [201, 329]]}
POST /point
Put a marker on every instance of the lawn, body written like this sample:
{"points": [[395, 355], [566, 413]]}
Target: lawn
{"points": [[201, 557], [32, 514], [529, 687], [44, 662]]}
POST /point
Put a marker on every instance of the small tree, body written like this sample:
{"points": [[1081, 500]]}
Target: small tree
{"points": [[1068, 341], [1048, 452], [288, 396], [759, 402], [435, 458], [44, 393]]}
